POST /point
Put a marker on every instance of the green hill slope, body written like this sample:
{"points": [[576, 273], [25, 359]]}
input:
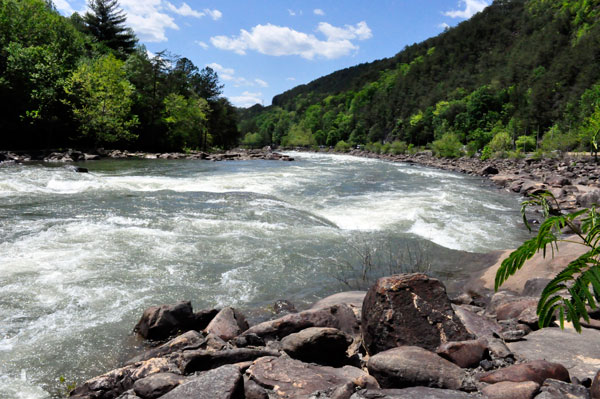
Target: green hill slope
{"points": [[518, 68]]}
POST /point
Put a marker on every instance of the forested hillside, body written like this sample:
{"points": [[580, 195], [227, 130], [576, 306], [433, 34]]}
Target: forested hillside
{"points": [[84, 81], [519, 75]]}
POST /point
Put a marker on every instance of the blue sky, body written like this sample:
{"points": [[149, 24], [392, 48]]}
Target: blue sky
{"points": [[261, 48]]}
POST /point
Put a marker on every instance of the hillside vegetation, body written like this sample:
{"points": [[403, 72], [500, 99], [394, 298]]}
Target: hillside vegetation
{"points": [[85, 81], [520, 75]]}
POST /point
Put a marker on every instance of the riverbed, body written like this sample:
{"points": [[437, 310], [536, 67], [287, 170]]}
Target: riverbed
{"points": [[82, 254]]}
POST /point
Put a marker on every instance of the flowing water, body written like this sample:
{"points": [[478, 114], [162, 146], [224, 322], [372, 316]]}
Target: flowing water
{"points": [[81, 255]]}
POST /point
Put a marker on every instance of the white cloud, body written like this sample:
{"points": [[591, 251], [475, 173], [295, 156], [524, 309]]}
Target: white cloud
{"points": [[472, 7], [201, 44], [291, 79], [247, 99], [361, 31], [147, 20], [292, 12], [443, 25], [64, 6], [228, 75], [187, 11], [318, 11], [280, 40]]}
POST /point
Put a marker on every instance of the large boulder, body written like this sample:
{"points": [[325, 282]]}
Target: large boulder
{"points": [[190, 339], [290, 378], [224, 383], [157, 385], [409, 366], [227, 324], [409, 309], [161, 322], [321, 345], [554, 389], [511, 390], [338, 316], [579, 353], [537, 371], [354, 299]]}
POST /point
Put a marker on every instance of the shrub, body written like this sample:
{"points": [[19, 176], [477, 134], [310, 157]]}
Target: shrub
{"points": [[398, 147], [448, 146], [577, 286], [252, 140], [557, 140], [525, 143], [342, 146], [385, 149]]}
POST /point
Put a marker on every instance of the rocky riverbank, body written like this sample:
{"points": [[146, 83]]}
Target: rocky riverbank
{"points": [[403, 339], [573, 180], [81, 156]]}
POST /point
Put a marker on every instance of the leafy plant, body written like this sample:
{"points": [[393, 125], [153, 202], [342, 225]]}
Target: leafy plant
{"points": [[448, 146], [577, 286]]}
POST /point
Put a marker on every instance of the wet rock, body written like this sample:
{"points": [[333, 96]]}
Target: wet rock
{"points": [[554, 389], [115, 382], [248, 340], [409, 366], [579, 353], [409, 309], [290, 378], [537, 371], [200, 360], [161, 322], [410, 393], [337, 316], [489, 170], [479, 326], [227, 324], [224, 383], [595, 388], [80, 169], [464, 353], [320, 345], [511, 390], [156, 385], [189, 340], [284, 306]]}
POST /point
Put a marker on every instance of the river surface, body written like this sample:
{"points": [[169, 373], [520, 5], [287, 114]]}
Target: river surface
{"points": [[82, 255]]}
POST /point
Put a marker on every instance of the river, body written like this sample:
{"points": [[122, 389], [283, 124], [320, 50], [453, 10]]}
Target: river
{"points": [[81, 255]]}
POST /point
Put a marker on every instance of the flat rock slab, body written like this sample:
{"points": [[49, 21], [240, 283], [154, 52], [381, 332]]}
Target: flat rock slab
{"points": [[289, 378], [411, 393], [579, 353], [536, 370], [409, 366], [511, 390], [553, 389], [224, 383]]}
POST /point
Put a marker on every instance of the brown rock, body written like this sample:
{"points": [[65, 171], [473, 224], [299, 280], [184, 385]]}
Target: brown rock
{"points": [[513, 308], [595, 389], [409, 366], [224, 383], [409, 309], [191, 339], [227, 324], [537, 371], [354, 299], [410, 393], [511, 390], [290, 378], [201, 360], [554, 389], [161, 322], [254, 391], [156, 385], [479, 326], [337, 316], [464, 353], [322, 345]]}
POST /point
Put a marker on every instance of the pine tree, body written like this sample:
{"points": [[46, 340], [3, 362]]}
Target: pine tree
{"points": [[106, 22]]}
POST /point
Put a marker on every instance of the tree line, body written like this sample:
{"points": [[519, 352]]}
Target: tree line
{"points": [[85, 81], [519, 76]]}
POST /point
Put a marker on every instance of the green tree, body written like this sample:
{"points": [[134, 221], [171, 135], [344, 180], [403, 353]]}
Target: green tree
{"points": [[186, 119], [449, 146], [106, 22], [100, 98]]}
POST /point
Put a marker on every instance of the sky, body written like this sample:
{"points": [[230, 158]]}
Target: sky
{"points": [[261, 48]]}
